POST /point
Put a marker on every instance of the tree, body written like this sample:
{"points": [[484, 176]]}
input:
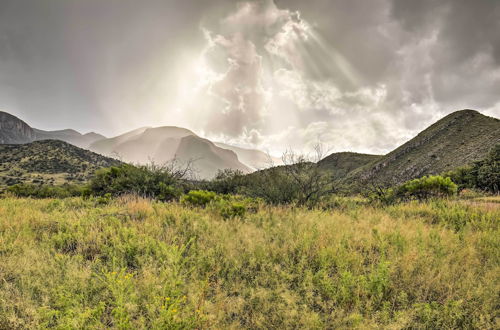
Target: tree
{"points": [[300, 180]]}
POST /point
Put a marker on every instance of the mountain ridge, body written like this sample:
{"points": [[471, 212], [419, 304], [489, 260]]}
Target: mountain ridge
{"points": [[456, 140]]}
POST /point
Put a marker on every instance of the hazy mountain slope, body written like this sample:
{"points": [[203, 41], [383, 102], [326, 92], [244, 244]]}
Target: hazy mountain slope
{"points": [[207, 157], [69, 136], [107, 146], [253, 158], [48, 161], [14, 130], [143, 145], [162, 144], [456, 140], [342, 163]]}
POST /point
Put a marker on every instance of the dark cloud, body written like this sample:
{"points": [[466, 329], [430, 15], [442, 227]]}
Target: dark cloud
{"points": [[259, 71]]}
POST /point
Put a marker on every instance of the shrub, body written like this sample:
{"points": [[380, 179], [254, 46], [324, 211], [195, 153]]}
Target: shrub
{"points": [[231, 209], [159, 182], [45, 191], [227, 181], [299, 181], [425, 188], [199, 197]]}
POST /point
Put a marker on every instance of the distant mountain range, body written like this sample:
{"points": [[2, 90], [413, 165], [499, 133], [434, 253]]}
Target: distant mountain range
{"points": [[454, 141], [146, 145], [15, 131]]}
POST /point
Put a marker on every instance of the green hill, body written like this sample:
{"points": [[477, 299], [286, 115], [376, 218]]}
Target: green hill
{"points": [[454, 141], [342, 163], [48, 161]]}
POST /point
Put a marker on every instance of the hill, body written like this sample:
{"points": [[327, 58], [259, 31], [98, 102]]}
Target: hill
{"points": [[454, 141], [13, 130], [342, 163], [69, 136], [48, 161]]}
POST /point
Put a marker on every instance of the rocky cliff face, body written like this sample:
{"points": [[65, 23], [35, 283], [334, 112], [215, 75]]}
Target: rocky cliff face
{"points": [[14, 131]]}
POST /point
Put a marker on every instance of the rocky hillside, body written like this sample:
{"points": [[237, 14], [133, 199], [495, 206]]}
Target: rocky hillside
{"points": [[48, 161], [454, 141], [14, 130]]}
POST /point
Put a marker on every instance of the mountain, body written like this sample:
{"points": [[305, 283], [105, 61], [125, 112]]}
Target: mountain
{"points": [[69, 136], [48, 161], [109, 145], [342, 163], [253, 158], [207, 157], [163, 144], [13, 130], [456, 140]]}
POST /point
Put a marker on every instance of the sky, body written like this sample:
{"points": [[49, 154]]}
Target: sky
{"points": [[357, 75]]}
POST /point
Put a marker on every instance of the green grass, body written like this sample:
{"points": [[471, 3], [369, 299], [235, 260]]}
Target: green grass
{"points": [[133, 263]]}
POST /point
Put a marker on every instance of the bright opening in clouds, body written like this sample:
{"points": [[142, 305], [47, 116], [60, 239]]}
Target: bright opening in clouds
{"points": [[355, 75]]}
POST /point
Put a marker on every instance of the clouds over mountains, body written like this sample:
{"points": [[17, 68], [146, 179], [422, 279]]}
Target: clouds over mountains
{"points": [[357, 75]]}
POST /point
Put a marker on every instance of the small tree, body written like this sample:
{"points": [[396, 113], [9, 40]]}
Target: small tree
{"points": [[300, 180], [486, 173]]}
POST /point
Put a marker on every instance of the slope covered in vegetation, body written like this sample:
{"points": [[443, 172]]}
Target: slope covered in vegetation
{"points": [[340, 164], [133, 263], [457, 140], [49, 161]]}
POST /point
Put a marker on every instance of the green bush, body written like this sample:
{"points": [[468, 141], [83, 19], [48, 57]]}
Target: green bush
{"points": [[425, 188], [229, 209], [199, 197], [227, 181], [45, 191], [148, 181]]}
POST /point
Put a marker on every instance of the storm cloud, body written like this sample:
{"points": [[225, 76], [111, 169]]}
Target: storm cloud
{"points": [[355, 75]]}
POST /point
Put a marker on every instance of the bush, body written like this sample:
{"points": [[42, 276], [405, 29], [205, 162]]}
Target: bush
{"points": [[227, 181], [425, 188], [199, 197], [300, 181], [159, 182], [231, 209], [45, 191]]}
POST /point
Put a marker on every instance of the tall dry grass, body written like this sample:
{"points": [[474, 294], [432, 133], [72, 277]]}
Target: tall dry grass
{"points": [[134, 263]]}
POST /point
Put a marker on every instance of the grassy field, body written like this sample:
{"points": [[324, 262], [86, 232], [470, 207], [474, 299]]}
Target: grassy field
{"points": [[132, 263]]}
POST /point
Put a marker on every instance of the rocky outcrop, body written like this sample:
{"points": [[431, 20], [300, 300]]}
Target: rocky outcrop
{"points": [[14, 131]]}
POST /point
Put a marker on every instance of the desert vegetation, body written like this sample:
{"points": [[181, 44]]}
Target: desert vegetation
{"points": [[130, 262], [286, 247]]}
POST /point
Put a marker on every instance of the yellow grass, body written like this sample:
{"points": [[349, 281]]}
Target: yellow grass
{"points": [[139, 264]]}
